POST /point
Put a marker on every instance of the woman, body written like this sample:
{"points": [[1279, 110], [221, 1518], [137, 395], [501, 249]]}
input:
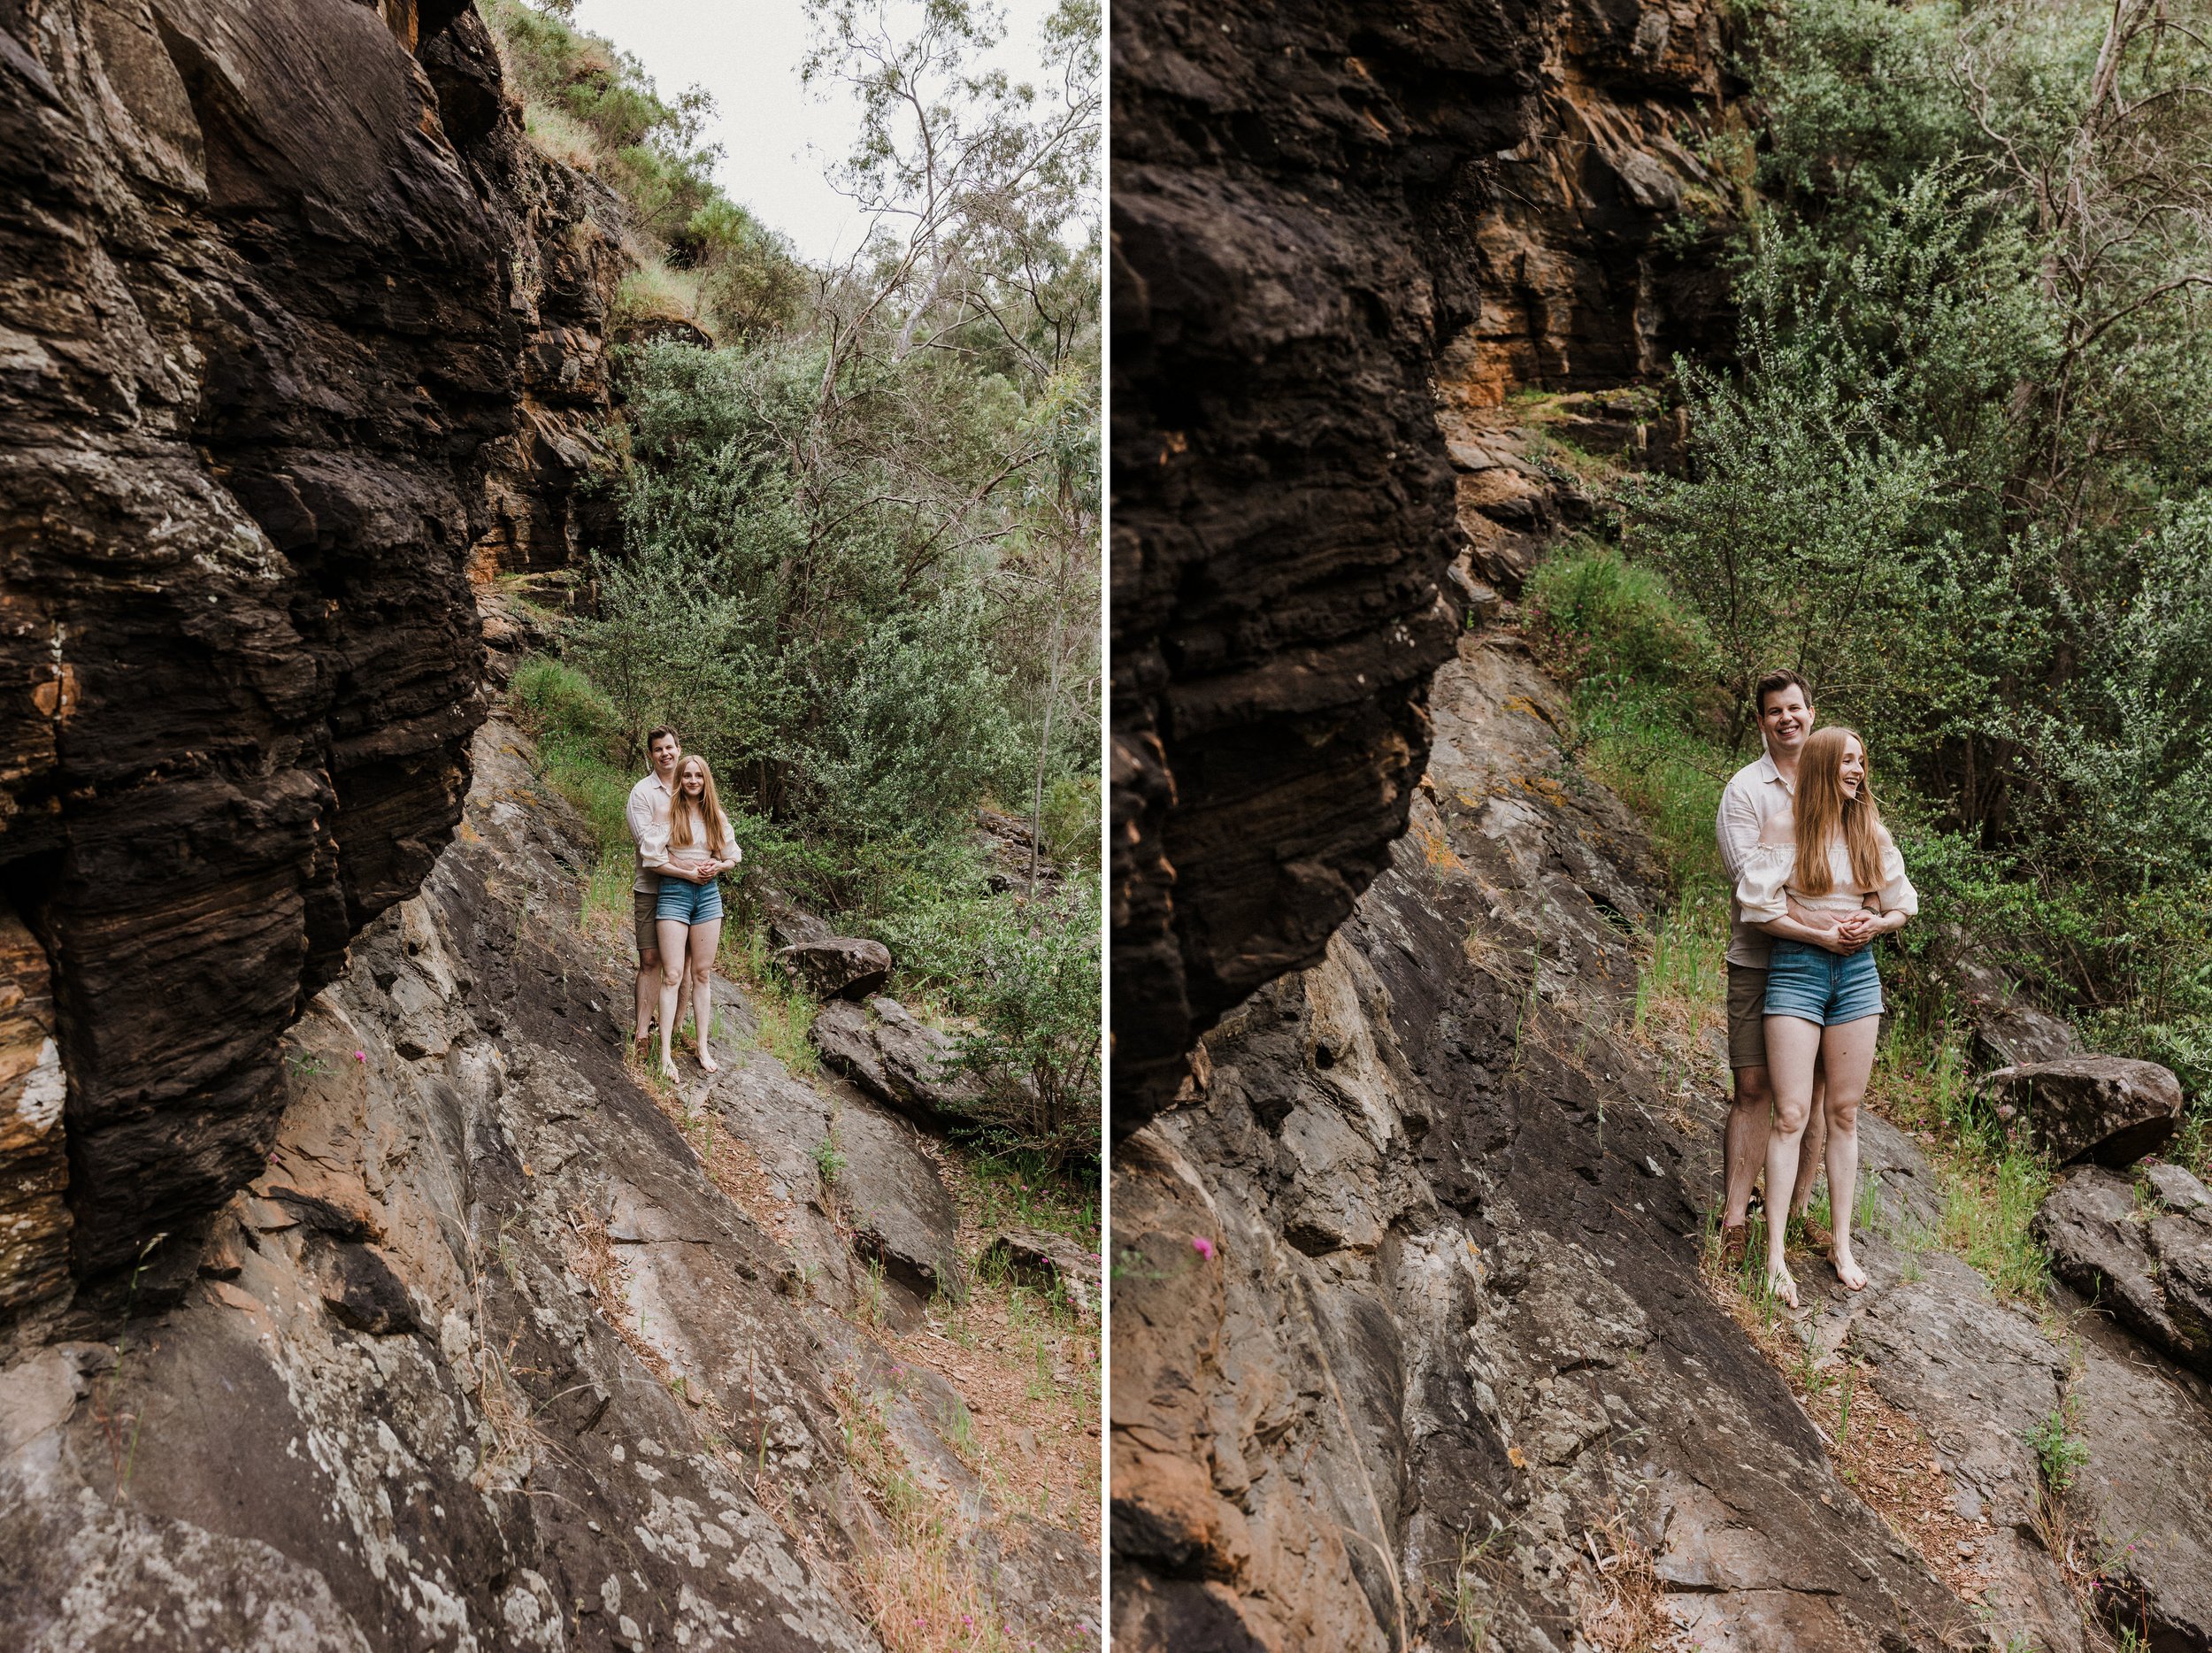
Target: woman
{"points": [[688, 919], [1823, 880]]}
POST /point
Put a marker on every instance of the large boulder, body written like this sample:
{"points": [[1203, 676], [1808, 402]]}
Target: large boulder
{"points": [[896, 1060], [2108, 1109], [838, 966], [2144, 1256]]}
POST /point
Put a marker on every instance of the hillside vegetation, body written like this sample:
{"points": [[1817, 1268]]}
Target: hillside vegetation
{"points": [[858, 558], [1960, 474]]}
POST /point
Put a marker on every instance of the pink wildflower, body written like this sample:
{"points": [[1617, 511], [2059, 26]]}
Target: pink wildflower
{"points": [[1202, 1246], [361, 1055]]}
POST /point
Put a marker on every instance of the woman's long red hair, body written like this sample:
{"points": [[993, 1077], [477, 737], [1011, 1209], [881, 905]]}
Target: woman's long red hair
{"points": [[705, 817], [1823, 811]]}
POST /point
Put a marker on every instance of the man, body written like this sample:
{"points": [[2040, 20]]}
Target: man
{"points": [[1759, 791], [647, 814]]}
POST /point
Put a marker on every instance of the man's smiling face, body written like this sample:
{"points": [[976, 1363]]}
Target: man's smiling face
{"points": [[1785, 718]]}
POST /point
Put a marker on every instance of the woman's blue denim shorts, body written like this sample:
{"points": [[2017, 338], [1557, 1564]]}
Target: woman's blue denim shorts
{"points": [[694, 903], [1818, 985]]}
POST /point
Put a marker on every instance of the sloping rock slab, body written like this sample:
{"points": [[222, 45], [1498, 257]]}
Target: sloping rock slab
{"points": [[838, 966], [896, 1060], [901, 1214], [2106, 1107], [1038, 1257], [2148, 1261]]}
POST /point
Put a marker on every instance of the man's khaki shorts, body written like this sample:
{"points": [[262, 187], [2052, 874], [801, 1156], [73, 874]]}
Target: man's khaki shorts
{"points": [[642, 904], [1747, 1016]]}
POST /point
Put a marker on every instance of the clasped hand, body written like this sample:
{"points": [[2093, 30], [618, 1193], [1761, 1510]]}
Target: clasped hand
{"points": [[1853, 931]]}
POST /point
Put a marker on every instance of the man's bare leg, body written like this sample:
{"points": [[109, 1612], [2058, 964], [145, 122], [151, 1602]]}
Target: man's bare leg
{"points": [[1744, 1153], [1748, 1116], [649, 991]]}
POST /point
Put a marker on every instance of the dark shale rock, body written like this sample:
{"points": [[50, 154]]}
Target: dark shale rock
{"points": [[2110, 1109], [292, 345], [2146, 1260], [838, 966], [1329, 224]]}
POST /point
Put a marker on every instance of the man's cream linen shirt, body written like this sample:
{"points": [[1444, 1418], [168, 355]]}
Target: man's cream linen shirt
{"points": [[1754, 796], [647, 813]]}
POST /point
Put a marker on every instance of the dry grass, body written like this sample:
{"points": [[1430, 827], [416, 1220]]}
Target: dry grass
{"points": [[1628, 1611], [1025, 1362], [921, 1593]]}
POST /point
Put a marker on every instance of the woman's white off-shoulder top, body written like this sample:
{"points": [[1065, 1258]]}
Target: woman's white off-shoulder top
{"points": [[1764, 892]]}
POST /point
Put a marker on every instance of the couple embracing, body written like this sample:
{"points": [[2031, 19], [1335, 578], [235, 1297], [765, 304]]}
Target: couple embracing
{"points": [[1817, 878], [684, 846]]}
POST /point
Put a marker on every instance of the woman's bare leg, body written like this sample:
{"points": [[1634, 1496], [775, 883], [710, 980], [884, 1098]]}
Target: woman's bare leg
{"points": [[1849, 1047], [1792, 1045], [705, 938], [673, 939]]}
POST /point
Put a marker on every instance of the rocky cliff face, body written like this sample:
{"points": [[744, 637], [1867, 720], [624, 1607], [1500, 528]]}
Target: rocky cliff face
{"points": [[276, 289], [1319, 211]]}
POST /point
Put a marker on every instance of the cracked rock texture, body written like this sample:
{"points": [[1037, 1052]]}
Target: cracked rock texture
{"points": [[1321, 212], [483, 1357], [296, 329]]}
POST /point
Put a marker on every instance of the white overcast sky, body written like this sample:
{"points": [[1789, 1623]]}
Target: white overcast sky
{"points": [[747, 53]]}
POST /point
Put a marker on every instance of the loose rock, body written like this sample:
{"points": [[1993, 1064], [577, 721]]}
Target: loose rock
{"points": [[838, 966], [2110, 1109], [2147, 1260], [896, 1060]]}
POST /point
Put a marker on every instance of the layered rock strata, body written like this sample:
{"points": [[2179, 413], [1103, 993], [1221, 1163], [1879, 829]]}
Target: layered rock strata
{"points": [[266, 325], [1319, 211]]}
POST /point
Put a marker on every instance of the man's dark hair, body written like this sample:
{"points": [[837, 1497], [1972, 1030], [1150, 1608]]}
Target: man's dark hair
{"points": [[1774, 682], [655, 735]]}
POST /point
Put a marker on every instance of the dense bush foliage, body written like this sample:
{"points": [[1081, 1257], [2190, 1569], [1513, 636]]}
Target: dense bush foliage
{"points": [[858, 568], [1961, 474]]}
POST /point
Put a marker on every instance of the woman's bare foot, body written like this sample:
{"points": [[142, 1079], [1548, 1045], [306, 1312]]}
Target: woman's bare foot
{"points": [[668, 1069], [707, 1061], [1847, 1269], [1782, 1284]]}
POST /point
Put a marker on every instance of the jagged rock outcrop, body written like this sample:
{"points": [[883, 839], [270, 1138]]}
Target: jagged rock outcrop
{"points": [[277, 291], [564, 231], [1322, 213], [494, 1352]]}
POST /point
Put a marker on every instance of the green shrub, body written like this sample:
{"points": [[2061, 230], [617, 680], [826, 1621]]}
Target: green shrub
{"points": [[1036, 1046]]}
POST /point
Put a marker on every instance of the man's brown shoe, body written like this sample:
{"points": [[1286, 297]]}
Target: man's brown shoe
{"points": [[1735, 1244], [1818, 1236]]}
